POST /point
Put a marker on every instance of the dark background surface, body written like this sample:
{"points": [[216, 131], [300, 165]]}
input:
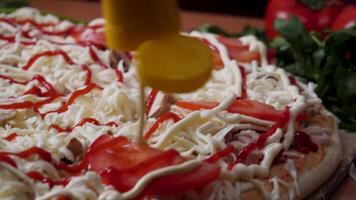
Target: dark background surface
{"points": [[252, 8]]}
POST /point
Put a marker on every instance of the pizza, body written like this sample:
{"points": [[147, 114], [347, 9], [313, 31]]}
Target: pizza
{"points": [[69, 118]]}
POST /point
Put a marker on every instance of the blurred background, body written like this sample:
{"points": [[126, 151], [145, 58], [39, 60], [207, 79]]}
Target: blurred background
{"points": [[251, 8]]}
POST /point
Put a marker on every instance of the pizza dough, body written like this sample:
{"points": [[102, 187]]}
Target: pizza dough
{"points": [[87, 91]]}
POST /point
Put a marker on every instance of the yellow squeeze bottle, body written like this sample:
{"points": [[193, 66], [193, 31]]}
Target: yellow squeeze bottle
{"points": [[166, 60]]}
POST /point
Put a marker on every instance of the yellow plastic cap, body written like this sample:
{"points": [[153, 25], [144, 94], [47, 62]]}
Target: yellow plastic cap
{"points": [[174, 63], [131, 22]]}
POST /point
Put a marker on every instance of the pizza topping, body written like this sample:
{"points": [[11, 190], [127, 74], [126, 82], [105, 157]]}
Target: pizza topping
{"points": [[122, 163], [245, 107], [11, 137], [88, 88], [150, 100], [81, 123], [39, 177], [220, 154], [303, 143], [233, 128], [47, 54], [162, 118]]}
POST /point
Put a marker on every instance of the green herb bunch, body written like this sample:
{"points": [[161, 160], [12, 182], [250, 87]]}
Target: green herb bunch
{"points": [[329, 61]]}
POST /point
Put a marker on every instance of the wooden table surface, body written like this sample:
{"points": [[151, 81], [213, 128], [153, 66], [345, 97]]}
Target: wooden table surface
{"points": [[88, 10]]}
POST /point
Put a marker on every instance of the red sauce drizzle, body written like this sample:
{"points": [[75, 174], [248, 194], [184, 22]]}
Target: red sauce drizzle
{"points": [[81, 123], [17, 105], [11, 80], [261, 141], [39, 177], [303, 143], [11, 137], [5, 158], [220, 154], [150, 100], [89, 74], [8, 21], [47, 85], [119, 75], [45, 155], [7, 38], [96, 58], [33, 151], [51, 92], [34, 23], [11, 39], [161, 119], [243, 85], [35, 91], [49, 54], [88, 88]]}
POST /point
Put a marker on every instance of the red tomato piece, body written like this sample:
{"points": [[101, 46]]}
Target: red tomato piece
{"points": [[346, 18], [176, 184], [246, 56], [122, 163], [118, 152], [255, 109], [317, 20], [238, 51], [191, 105], [247, 107], [218, 63], [242, 106], [232, 44], [124, 179]]}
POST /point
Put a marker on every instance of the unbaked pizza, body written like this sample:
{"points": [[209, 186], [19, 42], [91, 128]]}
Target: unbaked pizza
{"points": [[69, 118]]}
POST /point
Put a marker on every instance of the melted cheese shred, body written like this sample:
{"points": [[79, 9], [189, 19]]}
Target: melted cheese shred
{"points": [[198, 135]]}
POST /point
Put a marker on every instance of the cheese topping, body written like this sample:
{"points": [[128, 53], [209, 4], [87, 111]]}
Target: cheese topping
{"points": [[71, 68]]}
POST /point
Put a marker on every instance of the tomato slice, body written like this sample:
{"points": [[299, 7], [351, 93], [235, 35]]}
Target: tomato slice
{"points": [[255, 109], [232, 44], [247, 107], [245, 56], [242, 106], [202, 175], [122, 163], [191, 105], [218, 63], [124, 179], [238, 51]]}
